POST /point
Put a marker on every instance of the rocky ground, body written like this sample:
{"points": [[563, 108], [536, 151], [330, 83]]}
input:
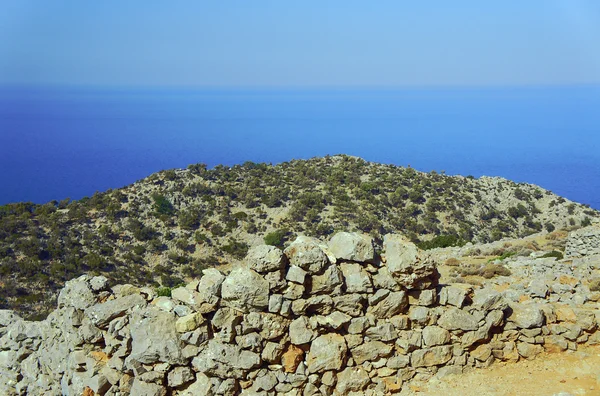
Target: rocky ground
{"points": [[324, 318]]}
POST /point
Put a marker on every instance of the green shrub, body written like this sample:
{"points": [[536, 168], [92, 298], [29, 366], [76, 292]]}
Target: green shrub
{"points": [[276, 238], [162, 205], [236, 249], [557, 254], [442, 241], [163, 291]]}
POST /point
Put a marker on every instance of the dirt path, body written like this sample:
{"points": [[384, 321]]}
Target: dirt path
{"points": [[564, 374]]}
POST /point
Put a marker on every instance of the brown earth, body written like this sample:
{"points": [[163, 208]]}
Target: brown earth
{"points": [[569, 373]]}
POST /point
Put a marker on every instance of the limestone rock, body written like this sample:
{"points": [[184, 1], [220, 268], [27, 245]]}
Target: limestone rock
{"points": [[154, 337], [300, 331], [180, 376], [352, 246], [457, 319], [370, 351], [328, 281], [392, 304], [306, 253], [245, 290], [352, 379], [327, 352], [101, 314], [264, 258], [356, 278], [431, 356], [526, 316], [77, 293], [434, 335], [407, 264], [210, 283]]}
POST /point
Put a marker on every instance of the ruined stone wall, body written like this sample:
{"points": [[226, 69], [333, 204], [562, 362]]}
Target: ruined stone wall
{"points": [[315, 319], [583, 242]]}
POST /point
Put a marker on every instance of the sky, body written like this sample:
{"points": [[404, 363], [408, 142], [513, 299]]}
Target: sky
{"points": [[310, 43]]}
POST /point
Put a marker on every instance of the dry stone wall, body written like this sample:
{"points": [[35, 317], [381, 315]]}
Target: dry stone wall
{"points": [[315, 319], [583, 242]]}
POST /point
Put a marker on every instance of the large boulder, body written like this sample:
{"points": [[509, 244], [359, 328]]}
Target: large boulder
{"points": [[526, 316], [264, 258], [407, 264], [77, 293], [154, 337], [306, 253], [101, 314], [327, 352], [245, 290], [352, 246]]}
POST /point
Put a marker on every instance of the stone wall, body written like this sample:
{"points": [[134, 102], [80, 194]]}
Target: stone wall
{"points": [[583, 242], [314, 319]]}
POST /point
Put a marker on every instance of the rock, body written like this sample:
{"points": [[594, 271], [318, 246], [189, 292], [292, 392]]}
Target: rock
{"points": [[407, 265], [306, 253], [99, 283], [434, 335], [266, 382], [201, 387], [352, 379], [431, 356], [370, 351], [382, 332], [189, 322], [272, 352], [489, 299], [102, 314], [210, 283], [328, 281], [292, 358], [327, 352], [154, 337], [455, 295], [356, 278], [180, 376], [351, 304], [147, 389], [526, 316], [457, 319], [352, 246], [77, 293], [245, 290], [392, 304], [555, 343], [264, 258], [225, 360], [300, 331], [296, 274], [529, 351]]}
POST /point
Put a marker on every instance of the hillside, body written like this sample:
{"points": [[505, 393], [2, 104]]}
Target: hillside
{"points": [[166, 228]]}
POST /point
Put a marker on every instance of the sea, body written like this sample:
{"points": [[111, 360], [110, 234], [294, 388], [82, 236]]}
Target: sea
{"points": [[59, 142]]}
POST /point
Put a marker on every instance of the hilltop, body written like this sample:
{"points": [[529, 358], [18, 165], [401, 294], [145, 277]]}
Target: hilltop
{"points": [[165, 229]]}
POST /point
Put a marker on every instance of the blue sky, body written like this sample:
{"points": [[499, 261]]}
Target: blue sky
{"points": [[299, 44]]}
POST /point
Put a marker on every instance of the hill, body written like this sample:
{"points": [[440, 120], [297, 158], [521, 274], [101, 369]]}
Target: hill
{"points": [[168, 227]]}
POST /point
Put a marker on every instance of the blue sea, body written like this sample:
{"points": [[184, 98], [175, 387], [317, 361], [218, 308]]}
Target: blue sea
{"points": [[70, 142]]}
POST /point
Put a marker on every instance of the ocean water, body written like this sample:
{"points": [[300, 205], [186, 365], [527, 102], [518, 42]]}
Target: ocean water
{"points": [[61, 142]]}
